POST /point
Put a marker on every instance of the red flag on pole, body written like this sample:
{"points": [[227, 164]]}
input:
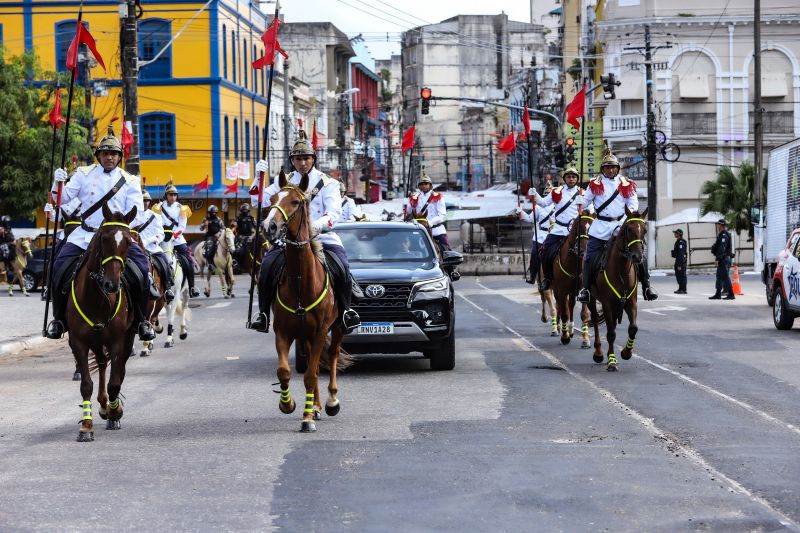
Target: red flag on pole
{"points": [[314, 138], [127, 138], [201, 186], [526, 121], [56, 120], [271, 46], [507, 143], [408, 139], [82, 36], [576, 109], [233, 188]]}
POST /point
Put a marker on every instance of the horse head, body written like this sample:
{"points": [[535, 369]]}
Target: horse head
{"points": [[24, 247], [289, 202], [111, 244], [580, 230], [633, 235]]}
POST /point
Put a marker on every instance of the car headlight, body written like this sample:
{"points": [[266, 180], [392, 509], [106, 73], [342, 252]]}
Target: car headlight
{"points": [[439, 287]]}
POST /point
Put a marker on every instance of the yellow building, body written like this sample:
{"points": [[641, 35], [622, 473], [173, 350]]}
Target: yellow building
{"points": [[201, 104]]}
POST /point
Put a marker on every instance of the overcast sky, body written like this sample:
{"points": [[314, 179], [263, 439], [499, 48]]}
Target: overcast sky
{"points": [[373, 19]]}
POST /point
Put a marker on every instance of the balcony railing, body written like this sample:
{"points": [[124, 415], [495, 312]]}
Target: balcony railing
{"points": [[624, 125], [775, 122], [694, 123]]}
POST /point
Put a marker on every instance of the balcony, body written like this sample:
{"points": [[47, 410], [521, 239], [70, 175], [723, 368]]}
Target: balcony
{"points": [[694, 124], [776, 122], [624, 126]]}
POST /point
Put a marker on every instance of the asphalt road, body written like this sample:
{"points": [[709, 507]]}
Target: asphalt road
{"points": [[699, 431]]}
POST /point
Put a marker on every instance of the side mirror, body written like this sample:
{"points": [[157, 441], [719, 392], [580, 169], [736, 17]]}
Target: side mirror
{"points": [[451, 258]]}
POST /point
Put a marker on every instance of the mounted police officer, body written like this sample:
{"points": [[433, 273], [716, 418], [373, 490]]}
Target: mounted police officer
{"points": [[541, 217], [325, 211], [97, 185], [174, 217], [151, 232], [428, 204], [212, 225], [609, 194], [567, 202], [679, 252], [245, 223], [8, 248], [723, 255], [350, 211]]}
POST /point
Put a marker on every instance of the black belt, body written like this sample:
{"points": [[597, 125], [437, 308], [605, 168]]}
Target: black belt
{"points": [[437, 225], [564, 224], [610, 219]]}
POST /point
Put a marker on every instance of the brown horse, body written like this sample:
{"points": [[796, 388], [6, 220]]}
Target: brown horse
{"points": [[567, 269], [98, 319], [154, 307], [22, 247], [246, 258], [616, 284], [305, 309]]}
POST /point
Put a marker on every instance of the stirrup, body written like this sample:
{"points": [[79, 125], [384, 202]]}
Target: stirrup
{"points": [[260, 323], [193, 292], [350, 320], [169, 295], [649, 294], [544, 284], [55, 329], [583, 295], [146, 331]]}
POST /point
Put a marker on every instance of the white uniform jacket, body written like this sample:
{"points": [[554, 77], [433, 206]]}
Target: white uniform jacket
{"points": [[350, 210], [153, 233], [175, 211], [325, 209], [610, 217], [419, 201], [542, 217], [558, 198], [89, 185]]}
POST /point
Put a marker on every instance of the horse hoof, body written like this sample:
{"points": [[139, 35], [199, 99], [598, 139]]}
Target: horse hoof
{"points": [[544, 319], [169, 344], [317, 415], [103, 413], [612, 368], [159, 328], [597, 358], [626, 354], [554, 334], [85, 436], [183, 336], [233, 295], [113, 424], [565, 340], [226, 296], [287, 409], [144, 353], [208, 294], [76, 376], [586, 344], [308, 427], [332, 410]]}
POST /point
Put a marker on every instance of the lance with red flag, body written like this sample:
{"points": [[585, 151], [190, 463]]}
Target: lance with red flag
{"points": [[271, 46], [314, 138], [408, 144], [82, 36], [526, 121], [233, 188], [576, 109], [201, 186], [56, 120], [127, 138], [508, 143]]}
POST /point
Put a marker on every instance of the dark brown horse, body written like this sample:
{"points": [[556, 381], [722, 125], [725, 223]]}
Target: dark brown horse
{"points": [[154, 307], [246, 258], [305, 308], [616, 284], [98, 319], [567, 269]]}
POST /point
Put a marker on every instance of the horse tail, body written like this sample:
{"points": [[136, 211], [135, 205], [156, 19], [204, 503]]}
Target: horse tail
{"points": [[344, 362]]}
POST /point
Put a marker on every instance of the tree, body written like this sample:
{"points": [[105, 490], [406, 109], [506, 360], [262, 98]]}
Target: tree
{"points": [[733, 195], [26, 135]]}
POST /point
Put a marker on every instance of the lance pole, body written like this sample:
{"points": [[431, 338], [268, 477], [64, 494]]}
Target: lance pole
{"points": [[46, 218], [261, 176], [60, 187], [579, 267]]}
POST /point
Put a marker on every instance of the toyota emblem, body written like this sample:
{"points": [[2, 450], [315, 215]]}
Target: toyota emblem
{"points": [[375, 291]]}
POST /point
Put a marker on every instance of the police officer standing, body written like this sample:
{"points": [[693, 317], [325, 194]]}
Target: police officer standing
{"points": [[680, 255], [723, 253]]}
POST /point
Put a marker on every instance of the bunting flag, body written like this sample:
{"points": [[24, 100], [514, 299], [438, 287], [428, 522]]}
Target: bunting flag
{"points": [[271, 46], [507, 143], [127, 138], [233, 188], [82, 36], [526, 121], [408, 139], [300, 122], [56, 120], [576, 109], [314, 138], [201, 186]]}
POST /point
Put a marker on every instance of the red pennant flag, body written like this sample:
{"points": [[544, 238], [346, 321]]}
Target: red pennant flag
{"points": [[202, 186], [56, 120], [127, 139], [314, 139], [522, 136], [271, 46], [300, 122], [526, 121], [507, 143], [232, 188], [408, 139], [576, 109], [82, 36]]}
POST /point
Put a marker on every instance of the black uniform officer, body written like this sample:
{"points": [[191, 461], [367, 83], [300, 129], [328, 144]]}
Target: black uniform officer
{"points": [[723, 252], [680, 254], [212, 225]]}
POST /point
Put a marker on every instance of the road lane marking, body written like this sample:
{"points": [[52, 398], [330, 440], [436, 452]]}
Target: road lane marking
{"points": [[657, 310], [219, 305], [657, 433], [522, 345]]}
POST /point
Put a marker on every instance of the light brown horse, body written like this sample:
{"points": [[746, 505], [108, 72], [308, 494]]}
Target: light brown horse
{"points": [[98, 319], [615, 287], [305, 309], [22, 247], [567, 270]]}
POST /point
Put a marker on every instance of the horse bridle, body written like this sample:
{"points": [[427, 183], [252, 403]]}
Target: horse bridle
{"points": [[288, 218], [625, 244]]}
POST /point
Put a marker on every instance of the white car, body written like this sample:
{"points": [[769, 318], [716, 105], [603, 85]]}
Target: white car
{"points": [[786, 284]]}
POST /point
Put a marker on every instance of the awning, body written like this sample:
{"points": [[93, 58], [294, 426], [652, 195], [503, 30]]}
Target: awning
{"points": [[689, 216]]}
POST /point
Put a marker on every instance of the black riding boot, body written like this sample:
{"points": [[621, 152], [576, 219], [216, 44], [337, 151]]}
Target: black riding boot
{"points": [[350, 319], [583, 295], [140, 301], [266, 291], [644, 277], [188, 273], [57, 326], [166, 277], [152, 289]]}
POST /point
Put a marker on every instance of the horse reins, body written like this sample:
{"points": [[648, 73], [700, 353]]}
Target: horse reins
{"points": [[626, 253], [575, 249]]}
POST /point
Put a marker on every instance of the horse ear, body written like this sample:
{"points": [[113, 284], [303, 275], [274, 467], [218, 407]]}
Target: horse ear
{"points": [[131, 215], [106, 212], [644, 213], [304, 183], [282, 181], [628, 211]]}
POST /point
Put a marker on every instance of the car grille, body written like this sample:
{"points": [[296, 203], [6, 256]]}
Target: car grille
{"points": [[396, 297]]}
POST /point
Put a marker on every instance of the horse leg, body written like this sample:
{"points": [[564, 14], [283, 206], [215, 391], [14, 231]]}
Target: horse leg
{"points": [[627, 351], [311, 382], [332, 405], [102, 393], [119, 352], [207, 289], [184, 314], [585, 322], [231, 279], [611, 336], [286, 403], [81, 353], [563, 318], [597, 356], [223, 283]]}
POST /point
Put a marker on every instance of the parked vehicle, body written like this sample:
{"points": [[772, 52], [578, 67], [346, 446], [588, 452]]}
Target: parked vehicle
{"points": [[786, 284], [33, 273]]}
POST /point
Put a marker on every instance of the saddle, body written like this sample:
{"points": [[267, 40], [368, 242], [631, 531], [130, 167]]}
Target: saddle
{"points": [[161, 264], [550, 255], [335, 268], [185, 265], [210, 249]]}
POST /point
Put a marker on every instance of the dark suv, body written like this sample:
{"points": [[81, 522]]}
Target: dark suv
{"points": [[404, 294]]}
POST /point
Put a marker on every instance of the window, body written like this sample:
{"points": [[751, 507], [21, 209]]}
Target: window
{"points": [[255, 148], [1, 35], [65, 32], [246, 155], [154, 34], [255, 75], [244, 63], [224, 55], [227, 141], [157, 135], [233, 55], [236, 139]]}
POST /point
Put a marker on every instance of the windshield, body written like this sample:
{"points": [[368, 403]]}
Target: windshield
{"points": [[386, 244]]}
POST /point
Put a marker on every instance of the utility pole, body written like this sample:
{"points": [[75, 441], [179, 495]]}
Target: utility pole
{"points": [[651, 128], [340, 141], [468, 175], [389, 162], [491, 164], [446, 165], [365, 172], [758, 126], [533, 155], [286, 117], [130, 74]]}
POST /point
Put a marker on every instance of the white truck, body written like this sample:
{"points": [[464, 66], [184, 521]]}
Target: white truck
{"points": [[782, 214]]}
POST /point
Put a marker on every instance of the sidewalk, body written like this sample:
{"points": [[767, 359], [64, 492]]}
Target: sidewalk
{"points": [[20, 321]]}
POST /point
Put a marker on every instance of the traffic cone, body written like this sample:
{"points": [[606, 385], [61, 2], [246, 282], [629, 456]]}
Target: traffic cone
{"points": [[735, 282]]}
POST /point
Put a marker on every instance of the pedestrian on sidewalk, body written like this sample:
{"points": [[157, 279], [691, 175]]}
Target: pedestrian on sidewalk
{"points": [[723, 252], [680, 255]]}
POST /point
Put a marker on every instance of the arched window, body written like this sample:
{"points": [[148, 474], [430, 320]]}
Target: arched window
{"points": [[233, 55], [227, 140], [255, 75], [236, 139], [157, 135], [65, 32], [224, 53], [154, 34], [244, 63], [246, 140]]}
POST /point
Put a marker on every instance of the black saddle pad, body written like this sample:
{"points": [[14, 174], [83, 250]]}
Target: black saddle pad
{"points": [[552, 252], [335, 267], [65, 275]]}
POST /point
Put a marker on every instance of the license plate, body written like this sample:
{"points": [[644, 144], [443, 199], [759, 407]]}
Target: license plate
{"points": [[376, 328]]}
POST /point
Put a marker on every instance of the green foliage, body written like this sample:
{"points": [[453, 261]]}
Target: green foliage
{"points": [[26, 135], [575, 69], [733, 195]]}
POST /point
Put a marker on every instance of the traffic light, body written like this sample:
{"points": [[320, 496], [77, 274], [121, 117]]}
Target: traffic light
{"points": [[609, 82], [570, 149], [558, 156], [425, 93]]}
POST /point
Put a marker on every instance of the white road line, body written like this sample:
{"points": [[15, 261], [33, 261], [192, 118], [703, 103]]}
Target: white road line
{"points": [[647, 423], [219, 305]]}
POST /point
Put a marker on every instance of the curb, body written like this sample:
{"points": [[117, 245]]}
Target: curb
{"points": [[25, 343]]}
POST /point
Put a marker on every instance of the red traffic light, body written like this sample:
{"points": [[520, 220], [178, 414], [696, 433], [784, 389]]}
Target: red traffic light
{"points": [[425, 93], [570, 141]]}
